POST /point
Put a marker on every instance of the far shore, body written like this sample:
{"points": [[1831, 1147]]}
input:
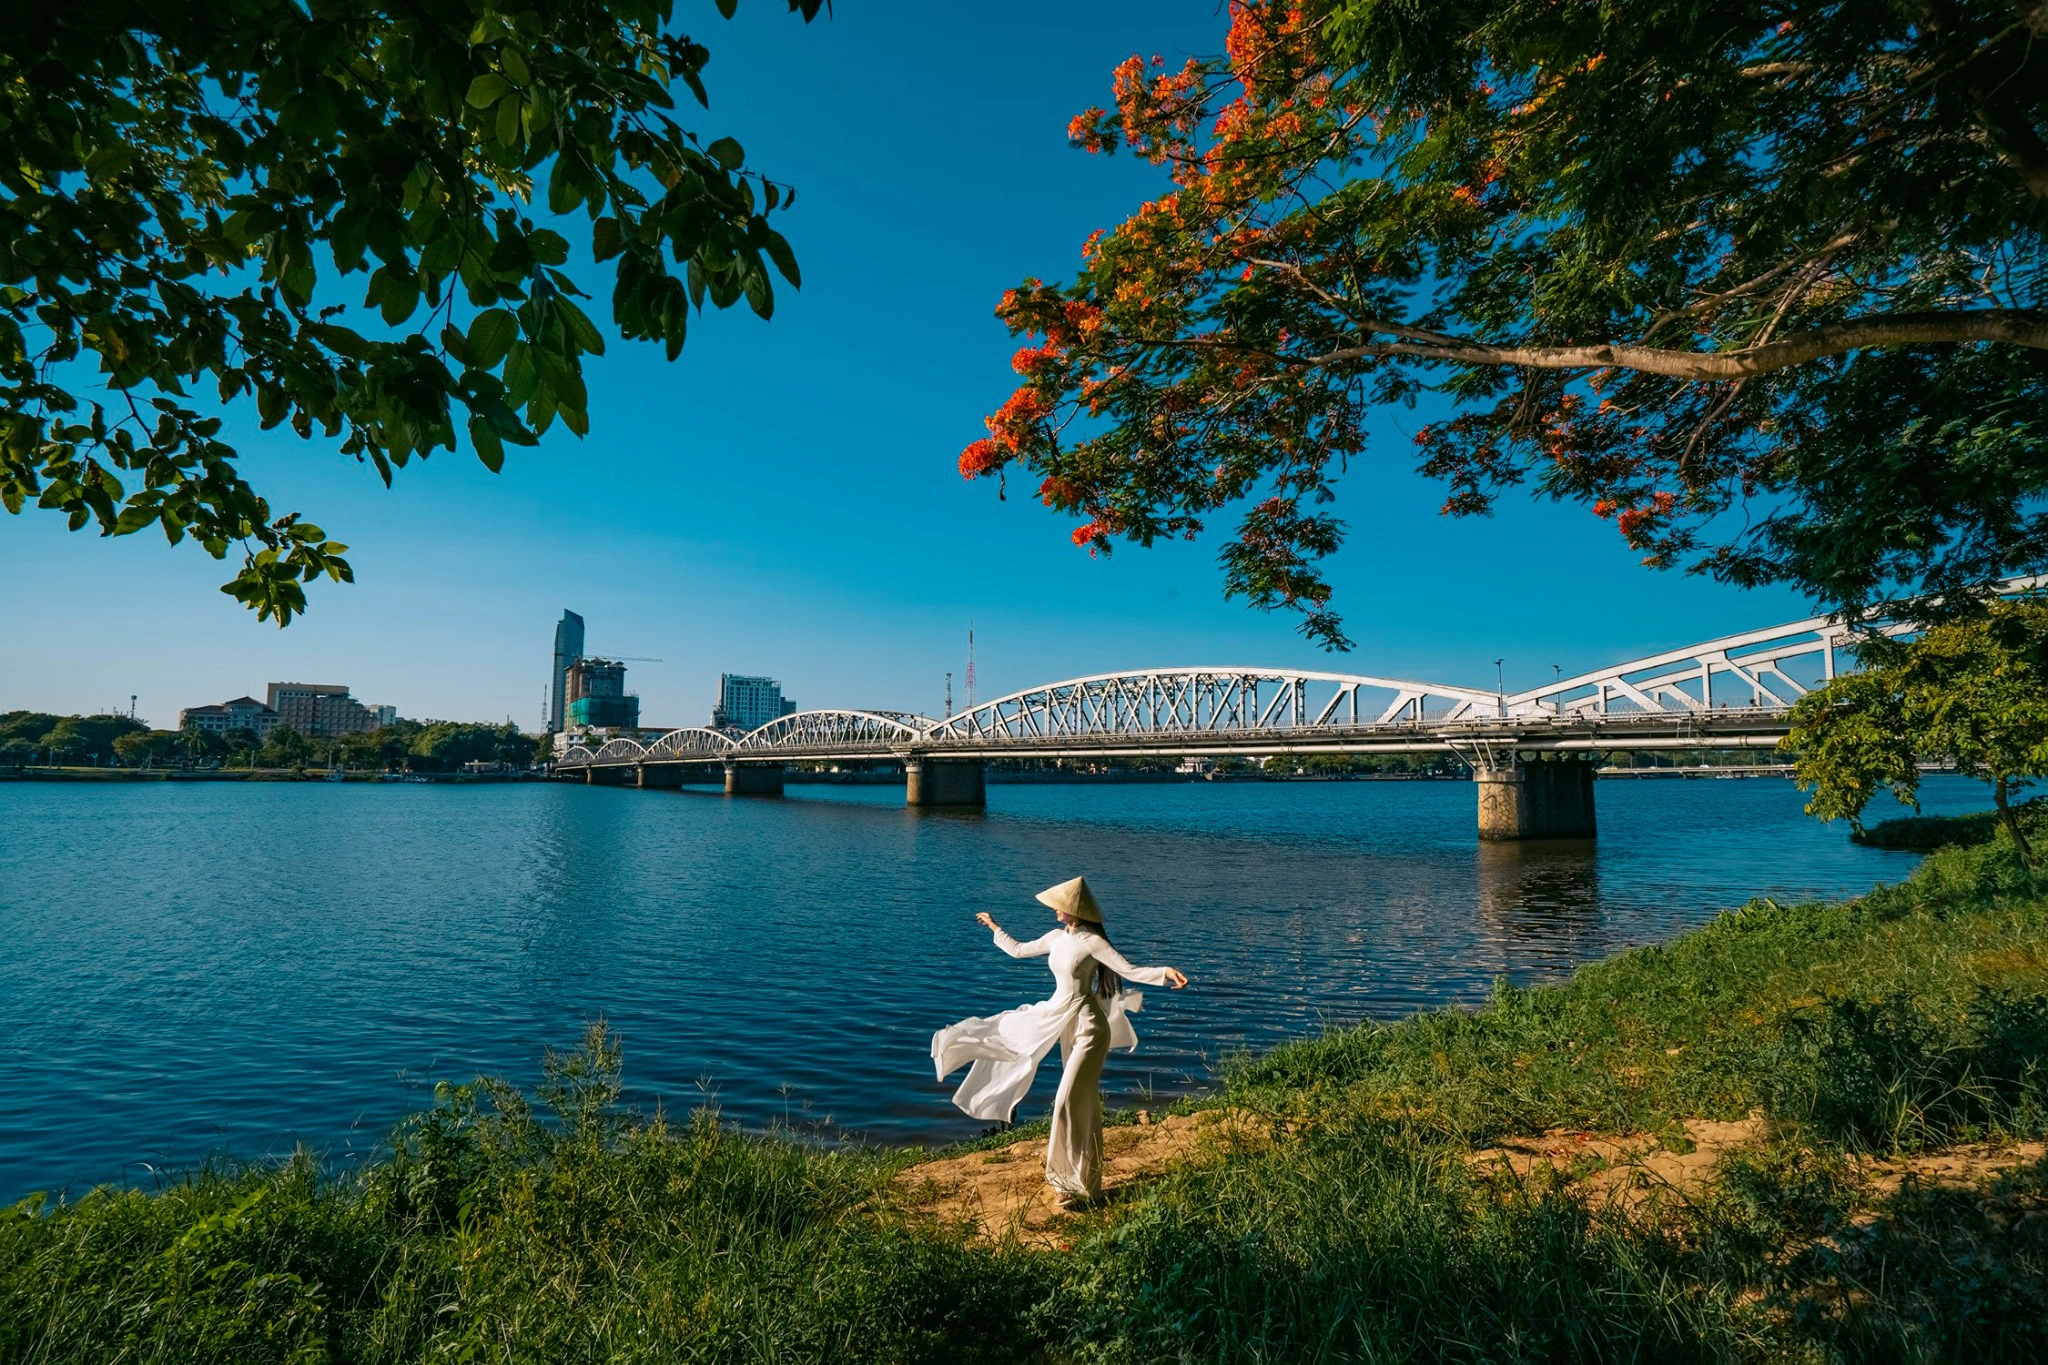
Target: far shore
{"points": [[854, 779]]}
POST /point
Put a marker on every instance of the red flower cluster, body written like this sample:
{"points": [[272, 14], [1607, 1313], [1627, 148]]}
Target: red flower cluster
{"points": [[1009, 431], [1638, 524]]}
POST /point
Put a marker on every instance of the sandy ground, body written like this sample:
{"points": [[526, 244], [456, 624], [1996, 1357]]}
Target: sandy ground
{"points": [[1633, 1170], [1004, 1190], [1637, 1172]]}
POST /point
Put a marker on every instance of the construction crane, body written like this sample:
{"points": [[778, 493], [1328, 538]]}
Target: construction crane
{"points": [[624, 658]]}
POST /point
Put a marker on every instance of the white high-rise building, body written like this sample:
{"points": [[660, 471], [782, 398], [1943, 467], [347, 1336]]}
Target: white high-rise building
{"points": [[748, 703]]}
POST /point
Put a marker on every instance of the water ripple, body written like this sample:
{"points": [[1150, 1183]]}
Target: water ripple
{"points": [[199, 968]]}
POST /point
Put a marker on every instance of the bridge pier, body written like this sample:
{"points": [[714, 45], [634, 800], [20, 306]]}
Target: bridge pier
{"points": [[753, 780], [661, 775], [945, 782], [1543, 796]]}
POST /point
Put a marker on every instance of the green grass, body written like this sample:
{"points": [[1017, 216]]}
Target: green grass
{"points": [[560, 1229], [1925, 833]]}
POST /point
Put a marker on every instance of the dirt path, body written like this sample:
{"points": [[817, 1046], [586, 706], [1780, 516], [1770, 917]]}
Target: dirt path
{"points": [[1004, 1190], [1633, 1170], [1637, 1171]]}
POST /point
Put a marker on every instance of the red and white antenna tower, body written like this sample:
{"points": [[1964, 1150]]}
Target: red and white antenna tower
{"points": [[970, 665]]}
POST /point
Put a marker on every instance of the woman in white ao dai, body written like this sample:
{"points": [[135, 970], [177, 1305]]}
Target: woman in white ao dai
{"points": [[1086, 1016]]}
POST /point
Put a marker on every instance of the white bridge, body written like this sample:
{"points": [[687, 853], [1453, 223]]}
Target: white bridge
{"points": [[1529, 750]]}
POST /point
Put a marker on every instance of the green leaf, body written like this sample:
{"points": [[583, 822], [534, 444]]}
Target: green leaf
{"points": [[491, 335], [785, 259], [489, 448], [727, 153], [487, 89], [401, 295], [548, 247], [581, 329], [606, 238], [508, 122], [760, 296]]}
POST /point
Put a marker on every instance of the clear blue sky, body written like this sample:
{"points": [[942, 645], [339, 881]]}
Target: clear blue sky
{"points": [[784, 499]]}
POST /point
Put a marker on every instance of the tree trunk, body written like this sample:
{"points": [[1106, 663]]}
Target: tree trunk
{"points": [[2011, 821]]}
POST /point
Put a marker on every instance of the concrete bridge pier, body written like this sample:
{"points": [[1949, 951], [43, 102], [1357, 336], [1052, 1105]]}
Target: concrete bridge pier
{"points": [[1538, 796], [753, 779], [945, 782], [661, 775]]}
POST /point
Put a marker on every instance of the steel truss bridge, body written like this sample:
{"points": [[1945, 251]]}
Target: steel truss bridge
{"points": [[1731, 692]]}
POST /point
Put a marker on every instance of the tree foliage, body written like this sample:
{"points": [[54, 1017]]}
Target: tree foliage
{"points": [[335, 212], [1973, 692], [1761, 281]]}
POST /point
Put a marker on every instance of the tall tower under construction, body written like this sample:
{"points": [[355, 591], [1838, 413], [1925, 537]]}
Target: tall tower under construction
{"points": [[568, 649]]}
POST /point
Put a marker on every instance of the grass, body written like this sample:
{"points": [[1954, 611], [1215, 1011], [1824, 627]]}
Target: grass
{"points": [[558, 1228], [1925, 833]]}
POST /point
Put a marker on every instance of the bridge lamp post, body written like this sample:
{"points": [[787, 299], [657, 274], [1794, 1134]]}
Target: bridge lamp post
{"points": [[1500, 686]]}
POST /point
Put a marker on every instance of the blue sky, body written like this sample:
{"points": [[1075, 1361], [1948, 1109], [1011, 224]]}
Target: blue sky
{"points": [[784, 500]]}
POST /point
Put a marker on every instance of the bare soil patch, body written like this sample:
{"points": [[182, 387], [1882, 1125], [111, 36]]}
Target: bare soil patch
{"points": [[1637, 1171], [1951, 1168], [1003, 1191], [1630, 1171]]}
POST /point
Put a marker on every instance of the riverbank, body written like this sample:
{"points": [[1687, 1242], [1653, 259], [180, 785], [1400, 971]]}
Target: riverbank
{"points": [[1864, 1079], [245, 775]]}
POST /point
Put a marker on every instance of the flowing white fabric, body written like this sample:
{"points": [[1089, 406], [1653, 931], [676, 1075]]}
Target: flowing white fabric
{"points": [[1004, 1050]]}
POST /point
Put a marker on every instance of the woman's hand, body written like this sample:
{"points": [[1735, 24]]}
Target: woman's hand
{"points": [[1175, 978], [986, 921]]}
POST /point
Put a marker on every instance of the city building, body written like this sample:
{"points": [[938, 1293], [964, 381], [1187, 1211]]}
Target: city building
{"points": [[321, 710], [597, 696], [243, 713], [748, 703], [568, 649], [383, 715]]}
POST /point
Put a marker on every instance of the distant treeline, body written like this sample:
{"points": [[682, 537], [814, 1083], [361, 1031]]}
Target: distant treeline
{"points": [[33, 737]]}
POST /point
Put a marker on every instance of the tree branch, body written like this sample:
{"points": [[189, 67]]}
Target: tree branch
{"points": [[2017, 327]]}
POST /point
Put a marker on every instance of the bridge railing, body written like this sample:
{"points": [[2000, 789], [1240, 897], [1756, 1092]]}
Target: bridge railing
{"points": [[1618, 728]]}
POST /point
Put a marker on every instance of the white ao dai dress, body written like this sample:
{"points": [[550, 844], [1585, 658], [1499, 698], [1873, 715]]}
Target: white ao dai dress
{"points": [[1005, 1050]]}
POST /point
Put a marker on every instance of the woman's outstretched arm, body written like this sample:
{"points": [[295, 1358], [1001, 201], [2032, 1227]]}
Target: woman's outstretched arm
{"points": [[1125, 968], [1038, 947]]}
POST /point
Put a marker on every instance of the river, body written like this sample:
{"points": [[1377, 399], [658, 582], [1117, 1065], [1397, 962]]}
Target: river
{"points": [[195, 968]]}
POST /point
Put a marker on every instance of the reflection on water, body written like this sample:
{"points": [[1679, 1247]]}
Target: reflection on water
{"points": [[1537, 901], [187, 968]]}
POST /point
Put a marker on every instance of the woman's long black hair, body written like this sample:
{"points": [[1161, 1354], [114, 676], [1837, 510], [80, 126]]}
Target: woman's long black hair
{"points": [[1107, 983]]}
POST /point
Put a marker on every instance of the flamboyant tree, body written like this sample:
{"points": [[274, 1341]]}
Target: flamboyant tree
{"points": [[1761, 281], [188, 186]]}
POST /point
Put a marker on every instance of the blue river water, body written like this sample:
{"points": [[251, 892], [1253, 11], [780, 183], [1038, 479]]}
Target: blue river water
{"points": [[224, 968]]}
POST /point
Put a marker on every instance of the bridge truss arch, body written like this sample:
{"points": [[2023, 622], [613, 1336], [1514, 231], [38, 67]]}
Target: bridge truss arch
{"points": [[1199, 706], [1764, 670], [692, 742], [880, 734]]}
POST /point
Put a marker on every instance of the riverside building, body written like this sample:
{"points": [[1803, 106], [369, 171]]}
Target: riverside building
{"points": [[323, 710], [597, 696], [748, 703], [243, 713], [568, 649]]}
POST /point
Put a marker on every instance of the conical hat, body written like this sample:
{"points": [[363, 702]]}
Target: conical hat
{"points": [[1073, 898]]}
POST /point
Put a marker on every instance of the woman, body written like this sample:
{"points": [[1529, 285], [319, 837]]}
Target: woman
{"points": [[1085, 1016]]}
